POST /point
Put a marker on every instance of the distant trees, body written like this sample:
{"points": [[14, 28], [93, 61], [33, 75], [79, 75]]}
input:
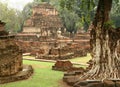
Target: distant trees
{"points": [[38, 1], [73, 14], [85, 9], [70, 21], [77, 12], [69, 17], [115, 14], [73, 17], [11, 17], [27, 11]]}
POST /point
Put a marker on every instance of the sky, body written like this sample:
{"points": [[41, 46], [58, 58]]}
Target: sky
{"points": [[17, 4]]}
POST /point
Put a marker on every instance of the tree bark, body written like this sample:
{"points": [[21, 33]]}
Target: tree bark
{"points": [[105, 46]]}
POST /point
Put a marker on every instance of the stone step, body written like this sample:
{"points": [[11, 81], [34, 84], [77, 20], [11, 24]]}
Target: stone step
{"points": [[82, 37]]}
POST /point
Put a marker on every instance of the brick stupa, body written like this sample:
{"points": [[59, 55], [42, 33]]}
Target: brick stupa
{"points": [[11, 66]]}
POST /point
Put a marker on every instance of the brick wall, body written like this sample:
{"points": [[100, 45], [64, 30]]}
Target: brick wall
{"points": [[10, 57]]}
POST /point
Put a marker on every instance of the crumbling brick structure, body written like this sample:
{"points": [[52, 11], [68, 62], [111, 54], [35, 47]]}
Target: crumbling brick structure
{"points": [[11, 59], [40, 31], [42, 25]]}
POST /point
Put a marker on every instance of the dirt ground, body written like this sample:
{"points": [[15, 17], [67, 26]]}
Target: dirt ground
{"points": [[63, 84]]}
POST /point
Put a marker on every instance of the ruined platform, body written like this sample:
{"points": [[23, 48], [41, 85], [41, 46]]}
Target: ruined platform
{"points": [[26, 72], [73, 79], [95, 83], [62, 65], [65, 65]]}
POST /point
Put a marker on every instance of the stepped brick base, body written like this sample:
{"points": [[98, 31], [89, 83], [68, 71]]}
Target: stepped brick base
{"points": [[24, 74], [72, 78]]}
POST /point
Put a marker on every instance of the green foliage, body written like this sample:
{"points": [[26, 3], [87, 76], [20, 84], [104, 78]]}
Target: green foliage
{"points": [[115, 13], [70, 20], [83, 8], [27, 11], [69, 17], [9, 16], [81, 12], [108, 25], [45, 1], [116, 20], [39, 1]]}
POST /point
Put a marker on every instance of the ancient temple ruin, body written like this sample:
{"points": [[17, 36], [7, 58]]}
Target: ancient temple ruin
{"points": [[41, 36], [11, 66], [43, 24]]}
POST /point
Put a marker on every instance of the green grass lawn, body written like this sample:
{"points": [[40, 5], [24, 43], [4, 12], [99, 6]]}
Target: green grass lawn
{"points": [[81, 59], [43, 75], [77, 59]]}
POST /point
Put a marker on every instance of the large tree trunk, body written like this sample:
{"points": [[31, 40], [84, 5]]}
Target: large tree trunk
{"points": [[105, 42]]}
